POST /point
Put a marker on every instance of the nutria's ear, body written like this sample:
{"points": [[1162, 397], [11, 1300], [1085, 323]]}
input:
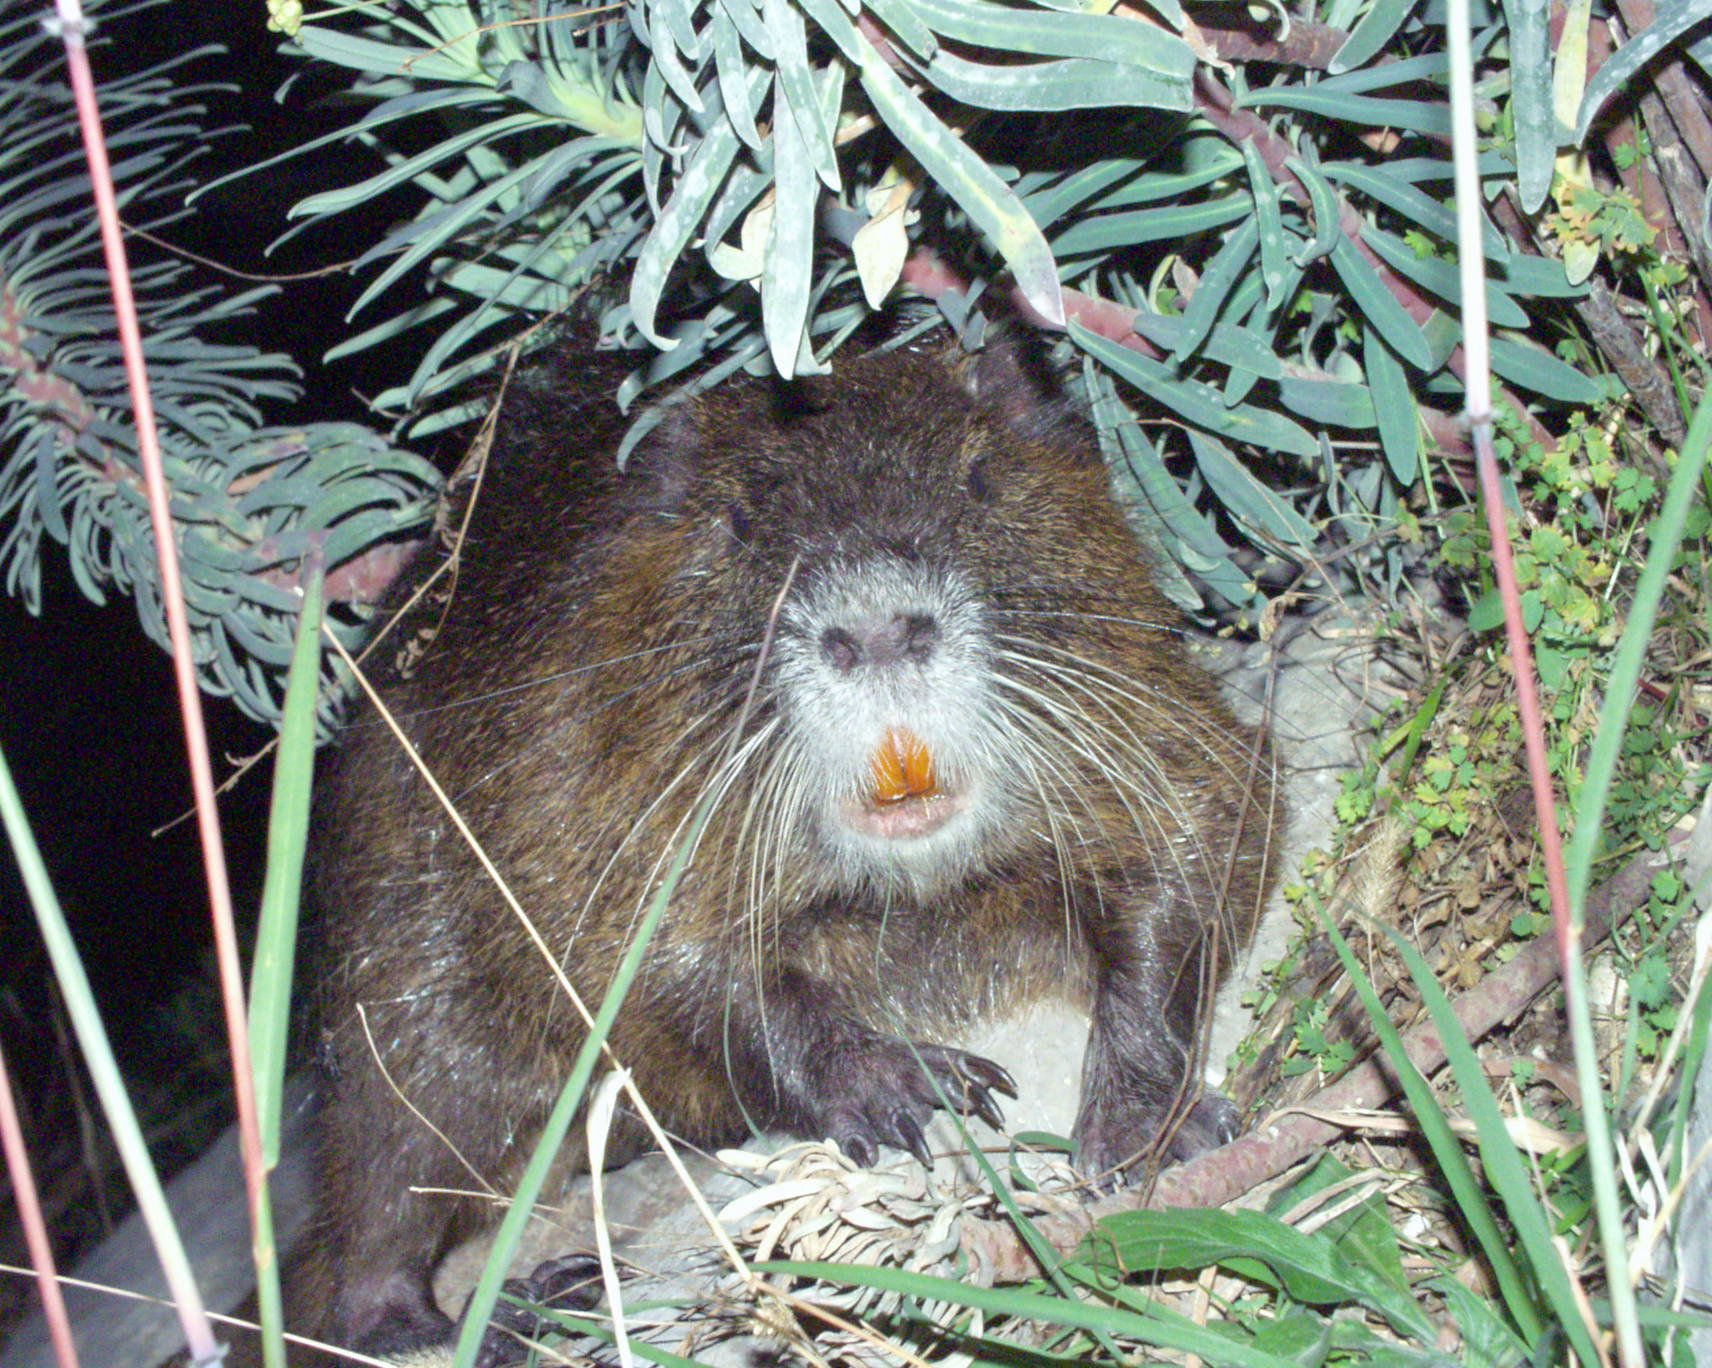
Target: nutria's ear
{"points": [[1013, 375]]}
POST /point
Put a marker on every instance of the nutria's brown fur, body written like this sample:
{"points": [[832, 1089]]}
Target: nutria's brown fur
{"points": [[955, 569]]}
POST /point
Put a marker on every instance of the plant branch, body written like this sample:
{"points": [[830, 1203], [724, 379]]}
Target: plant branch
{"points": [[1215, 103]]}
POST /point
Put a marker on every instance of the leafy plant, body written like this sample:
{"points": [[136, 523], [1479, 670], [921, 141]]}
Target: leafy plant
{"points": [[1261, 256], [249, 499]]}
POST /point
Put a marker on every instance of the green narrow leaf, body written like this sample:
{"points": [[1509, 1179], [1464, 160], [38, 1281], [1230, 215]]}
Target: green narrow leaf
{"points": [[1232, 346], [673, 20], [676, 224], [1198, 403], [1141, 480], [787, 275], [900, 18], [447, 150], [1246, 497], [1328, 220], [47, 454], [1269, 223], [1148, 1323], [1486, 1337], [1198, 161], [968, 180], [670, 65], [831, 21], [1311, 1269], [423, 237], [1368, 37], [1506, 1170], [1104, 37], [1214, 289], [288, 835], [1239, 383], [748, 23], [796, 78], [455, 63], [1323, 401], [1431, 68], [1379, 306], [1539, 277], [1531, 98], [1475, 1211], [1393, 407], [1064, 193], [1536, 369], [732, 73], [1441, 278], [1435, 216], [1105, 232], [743, 187], [1415, 116], [1068, 83]]}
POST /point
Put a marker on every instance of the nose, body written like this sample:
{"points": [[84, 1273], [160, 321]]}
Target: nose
{"points": [[903, 637]]}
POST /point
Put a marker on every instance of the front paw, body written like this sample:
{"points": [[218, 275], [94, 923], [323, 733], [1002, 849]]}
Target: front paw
{"points": [[876, 1091], [1115, 1134], [568, 1284]]}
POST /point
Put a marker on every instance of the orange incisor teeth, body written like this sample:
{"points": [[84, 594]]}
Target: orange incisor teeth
{"points": [[902, 768]]}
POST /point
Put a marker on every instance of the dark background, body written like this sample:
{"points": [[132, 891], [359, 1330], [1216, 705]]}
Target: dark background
{"points": [[88, 717]]}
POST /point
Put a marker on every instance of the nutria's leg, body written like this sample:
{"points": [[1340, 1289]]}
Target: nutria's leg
{"points": [[380, 1285], [804, 1063], [385, 1240], [1154, 977]]}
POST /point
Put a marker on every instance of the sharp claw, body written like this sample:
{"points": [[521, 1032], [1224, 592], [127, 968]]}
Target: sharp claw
{"points": [[987, 1074], [858, 1149], [982, 1104], [909, 1131]]}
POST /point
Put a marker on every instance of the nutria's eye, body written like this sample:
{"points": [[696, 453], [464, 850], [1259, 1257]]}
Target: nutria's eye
{"points": [[980, 489], [738, 518]]}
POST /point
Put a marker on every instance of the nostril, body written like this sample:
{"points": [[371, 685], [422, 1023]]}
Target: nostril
{"points": [[908, 636], [841, 650], [920, 637]]}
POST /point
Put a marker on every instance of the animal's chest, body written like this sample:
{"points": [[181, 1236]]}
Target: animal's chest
{"points": [[999, 942]]}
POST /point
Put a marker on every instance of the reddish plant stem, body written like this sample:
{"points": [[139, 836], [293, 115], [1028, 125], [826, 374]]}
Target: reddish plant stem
{"points": [[197, 1329], [1307, 46], [35, 1227], [1527, 683]]}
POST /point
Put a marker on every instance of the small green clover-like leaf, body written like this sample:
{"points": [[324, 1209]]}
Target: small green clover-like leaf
{"points": [[1649, 980]]}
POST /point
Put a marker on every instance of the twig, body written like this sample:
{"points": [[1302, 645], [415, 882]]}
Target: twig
{"points": [[1680, 95]]}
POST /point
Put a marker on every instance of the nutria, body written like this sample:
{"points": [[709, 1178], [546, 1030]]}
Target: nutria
{"points": [[974, 768]]}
